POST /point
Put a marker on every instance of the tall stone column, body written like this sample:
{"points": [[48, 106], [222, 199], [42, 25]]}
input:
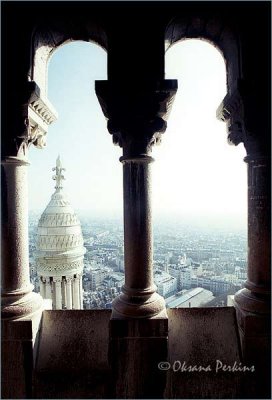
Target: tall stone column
{"points": [[64, 293], [48, 290], [259, 251], [21, 308], [69, 293], [42, 288], [81, 292], [58, 297], [76, 293], [18, 299], [253, 302], [136, 119], [139, 297]]}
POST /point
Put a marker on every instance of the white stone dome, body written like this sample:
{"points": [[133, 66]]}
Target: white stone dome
{"points": [[59, 244]]}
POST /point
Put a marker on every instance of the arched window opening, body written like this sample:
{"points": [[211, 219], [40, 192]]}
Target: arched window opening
{"points": [[199, 188], [80, 138]]}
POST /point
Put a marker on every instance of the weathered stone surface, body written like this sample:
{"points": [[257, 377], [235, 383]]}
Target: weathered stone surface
{"points": [[136, 348], [73, 355], [16, 377], [19, 348], [200, 337]]}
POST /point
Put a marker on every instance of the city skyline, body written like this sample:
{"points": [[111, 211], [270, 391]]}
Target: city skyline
{"points": [[190, 267], [196, 175]]}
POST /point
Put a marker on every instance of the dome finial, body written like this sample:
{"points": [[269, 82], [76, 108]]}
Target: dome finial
{"points": [[58, 177]]}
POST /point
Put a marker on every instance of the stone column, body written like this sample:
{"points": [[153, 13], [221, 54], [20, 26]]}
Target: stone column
{"points": [[81, 292], [18, 299], [64, 293], [21, 308], [48, 291], [139, 297], [259, 272], [58, 297], [255, 298], [76, 293], [252, 303], [69, 293], [73, 293], [139, 325], [42, 287], [136, 119]]}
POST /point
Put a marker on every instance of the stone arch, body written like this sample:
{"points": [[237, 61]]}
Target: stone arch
{"points": [[47, 39], [36, 112], [225, 37], [213, 30]]}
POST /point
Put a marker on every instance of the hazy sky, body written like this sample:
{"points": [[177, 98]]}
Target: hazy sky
{"points": [[196, 173]]}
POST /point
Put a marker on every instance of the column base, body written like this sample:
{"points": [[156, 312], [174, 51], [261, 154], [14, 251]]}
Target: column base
{"points": [[142, 306], [17, 305], [247, 300]]}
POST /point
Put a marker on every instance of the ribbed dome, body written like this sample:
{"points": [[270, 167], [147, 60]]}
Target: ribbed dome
{"points": [[59, 244]]}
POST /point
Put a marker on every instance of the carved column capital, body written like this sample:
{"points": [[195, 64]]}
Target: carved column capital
{"points": [[231, 111], [136, 115], [243, 115], [33, 115]]}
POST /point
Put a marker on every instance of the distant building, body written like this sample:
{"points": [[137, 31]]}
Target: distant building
{"points": [[196, 297], [97, 276], [115, 280], [59, 250], [167, 284], [186, 278], [175, 271]]}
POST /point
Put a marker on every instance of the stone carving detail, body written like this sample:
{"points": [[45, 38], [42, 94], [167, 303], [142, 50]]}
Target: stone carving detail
{"points": [[44, 111], [35, 135], [136, 122], [231, 110], [51, 220], [58, 177], [59, 202], [60, 267], [57, 279], [59, 242], [37, 115], [239, 110]]}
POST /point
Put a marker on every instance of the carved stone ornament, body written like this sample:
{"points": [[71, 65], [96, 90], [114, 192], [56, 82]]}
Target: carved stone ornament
{"points": [[136, 115], [239, 110], [231, 110], [37, 115], [57, 279]]}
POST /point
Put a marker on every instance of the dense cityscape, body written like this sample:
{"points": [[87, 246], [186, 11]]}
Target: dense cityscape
{"points": [[192, 267]]}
